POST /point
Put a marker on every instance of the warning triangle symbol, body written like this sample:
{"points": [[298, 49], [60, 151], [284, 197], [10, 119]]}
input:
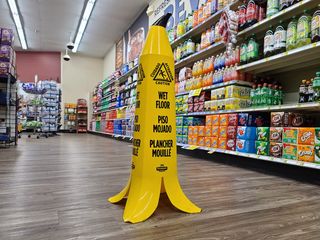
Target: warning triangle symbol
{"points": [[163, 73], [141, 75]]}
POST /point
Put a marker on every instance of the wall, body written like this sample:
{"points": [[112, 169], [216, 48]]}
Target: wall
{"points": [[46, 65], [79, 76], [109, 62]]}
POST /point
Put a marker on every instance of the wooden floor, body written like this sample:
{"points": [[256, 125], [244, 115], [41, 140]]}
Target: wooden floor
{"points": [[57, 188]]}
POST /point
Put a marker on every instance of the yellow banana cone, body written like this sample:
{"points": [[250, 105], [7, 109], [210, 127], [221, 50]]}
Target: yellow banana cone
{"points": [[154, 160]]}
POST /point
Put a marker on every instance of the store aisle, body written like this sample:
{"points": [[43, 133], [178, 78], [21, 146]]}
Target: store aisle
{"points": [[57, 188]]}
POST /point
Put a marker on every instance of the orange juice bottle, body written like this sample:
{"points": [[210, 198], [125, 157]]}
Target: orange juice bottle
{"points": [[210, 68], [195, 18], [201, 67], [200, 14]]}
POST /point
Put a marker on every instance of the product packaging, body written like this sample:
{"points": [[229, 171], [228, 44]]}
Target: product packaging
{"points": [[317, 136], [306, 136], [215, 120], [223, 120], [289, 151], [263, 133], [222, 132], [246, 133], [207, 141], [254, 119], [179, 130], [277, 119], [208, 120], [231, 132], [7, 37], [208, 131], [291, 119], [222, 143], [185, 139], [185, 130], [276, 134], [275, 149], [214, 142], [201, 131], [245, 146], [231, 144], [317, 154], [233, 119], [201, 141], [262, 148], [306, 153], [290, 135]]}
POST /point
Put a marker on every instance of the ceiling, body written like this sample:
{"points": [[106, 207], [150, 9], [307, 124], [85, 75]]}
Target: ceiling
{"points": [[48, 23]]}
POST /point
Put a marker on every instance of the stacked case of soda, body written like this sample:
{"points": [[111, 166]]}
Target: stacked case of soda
{"points": [[7, 54]]}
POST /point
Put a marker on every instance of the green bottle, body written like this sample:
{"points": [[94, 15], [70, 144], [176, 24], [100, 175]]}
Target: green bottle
{"points": [[292, 34], [258, 95], [270, 95], [316, 87], [280, 100], [304, 30], [243, 53], [252, 50], [253, 96], [264, 95]]}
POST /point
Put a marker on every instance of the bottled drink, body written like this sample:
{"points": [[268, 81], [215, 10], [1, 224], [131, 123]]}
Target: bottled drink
{"points": [[303, 89], [253, 96], [200, 14], [275, 93], [268, 43], [258, 95], [283, 4], [262, 13], [242, 11], [315, 26], [280, 38], [191, 47], [252, 50], [304, 30], [270, 95], [292, 34], [272, 7], [316, 87], [280, 95], [310, 91], [190, 21], [264, 95], [252, 13], [195, 18], [243, 53]]}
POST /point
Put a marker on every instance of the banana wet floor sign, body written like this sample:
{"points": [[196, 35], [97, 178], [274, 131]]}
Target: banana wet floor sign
{"points": [[154, 154]]}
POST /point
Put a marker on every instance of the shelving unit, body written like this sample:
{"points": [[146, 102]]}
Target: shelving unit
{"points": [[8, 110], [70, 117], [82, 116], [300, 58]]}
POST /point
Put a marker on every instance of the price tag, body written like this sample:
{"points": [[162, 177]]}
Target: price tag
{"points": [[314, 44], [191, 93], [301, 163], [192, 147], [197, 92], [211, 151], [266, 59], [285, 160], [286, 53]]}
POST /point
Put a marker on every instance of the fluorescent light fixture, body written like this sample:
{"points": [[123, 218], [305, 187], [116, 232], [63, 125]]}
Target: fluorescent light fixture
{"points": [[17, 21], [83, 24]]}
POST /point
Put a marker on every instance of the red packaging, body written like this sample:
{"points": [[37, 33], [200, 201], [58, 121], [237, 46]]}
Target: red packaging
{"points": [[231, 144], [201, 107], [233, 119], [262, 13], [242, 16], [231, 132], [190, 107], [190, 100], [196, 107]]}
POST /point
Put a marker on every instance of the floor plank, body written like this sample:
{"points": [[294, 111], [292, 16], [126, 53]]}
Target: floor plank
{"points": [[57, 188]]}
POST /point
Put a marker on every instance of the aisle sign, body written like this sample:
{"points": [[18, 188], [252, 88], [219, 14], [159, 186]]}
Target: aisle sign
{"points": [[154, 152]]}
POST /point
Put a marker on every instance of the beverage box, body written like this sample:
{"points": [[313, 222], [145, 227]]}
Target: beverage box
{"points": [[245, 146], [179, 130], [193, 140], [207, 141], [222, 143], [179, 121], [317, 136], [276, 134], [6, 53], [6, 68], [184, 139], [179, 138], [291, 119], [263, 133], [222, 132], [185, 130], [201, 141], [193, 121], [306, 153], [193, 131], [190, 107], [208, 131], [275, 149], [317, 154], [215, 131], [233, 119], [289, 151], [246, 133], [223, 120], [262, 148], [7, 37], [290, 135], [231, 132], [231, 144], [254, 119], [277, 119], [215, 120], [306, 136], [214, 142], [201, 131], [209, 120]]}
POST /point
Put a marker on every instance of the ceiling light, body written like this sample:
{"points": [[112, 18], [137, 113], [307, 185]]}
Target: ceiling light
{"points": [[83, 23], [17, 21]]}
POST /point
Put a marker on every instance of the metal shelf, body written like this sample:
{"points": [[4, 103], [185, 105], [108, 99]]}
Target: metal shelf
{"points": [[124, 77], [254, 156], [209, 51], [294, 10], [112, 135], [219, 85], [204, 25], [296, 57], [284, 107]]}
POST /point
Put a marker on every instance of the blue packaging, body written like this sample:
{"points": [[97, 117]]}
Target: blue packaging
{"points": [[246, 146], [179, 138], [261, 119], [179, 121], [185, 139], [246, 133], [179, 130], [185, 130]]}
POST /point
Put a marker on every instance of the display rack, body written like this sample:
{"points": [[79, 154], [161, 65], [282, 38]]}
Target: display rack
{"points": [[70, 117], [278, 65], [82, 116], [8, 110]]}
